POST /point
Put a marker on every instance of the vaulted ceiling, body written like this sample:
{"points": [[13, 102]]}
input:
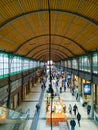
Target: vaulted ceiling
{"points": [[29, 27]]}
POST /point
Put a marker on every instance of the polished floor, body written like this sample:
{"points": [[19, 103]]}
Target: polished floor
{"points": [[33, 98]]}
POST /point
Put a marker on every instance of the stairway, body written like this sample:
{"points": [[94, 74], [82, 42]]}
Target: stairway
{"points": [[12, 120]]}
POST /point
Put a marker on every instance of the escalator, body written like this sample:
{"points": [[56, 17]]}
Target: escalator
{"points": [[12, 120]]}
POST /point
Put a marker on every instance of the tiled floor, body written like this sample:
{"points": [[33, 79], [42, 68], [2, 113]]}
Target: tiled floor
{"points": [[32, 99]]}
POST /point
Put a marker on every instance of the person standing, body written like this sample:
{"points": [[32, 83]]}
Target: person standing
{"points": [[78, 118], [72, 124]]}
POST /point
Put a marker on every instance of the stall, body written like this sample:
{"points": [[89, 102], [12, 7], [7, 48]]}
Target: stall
{"points": [[56, 118], [58, 113]]}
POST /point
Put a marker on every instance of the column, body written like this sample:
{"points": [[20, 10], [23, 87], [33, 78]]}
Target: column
{"points": [[83, 81], [72, 80], [22, 83], [96, 94], [96, 97], [9, 81], [92, 100], [79, 88]]}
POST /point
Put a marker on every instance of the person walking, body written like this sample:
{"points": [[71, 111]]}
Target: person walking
{"points": [[77, 96], [70, 109], [88, 109], [75, 108], [60, 89], [37, 107], [65, 85], [72, 124], [78, 118]]}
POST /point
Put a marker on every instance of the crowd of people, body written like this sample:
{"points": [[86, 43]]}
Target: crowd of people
{"points": [[73, 110], [76, 114]]}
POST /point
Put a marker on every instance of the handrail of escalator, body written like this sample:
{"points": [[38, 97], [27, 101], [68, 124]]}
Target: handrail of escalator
{"points": [[17, 125]]}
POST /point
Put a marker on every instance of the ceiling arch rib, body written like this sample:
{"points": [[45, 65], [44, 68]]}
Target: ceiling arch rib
{"points": [[82, 18], [52, 44], [46, 58], [44, 35], [46, 55], [45, 51], [65, 55], [56, 56], [91, 21]]}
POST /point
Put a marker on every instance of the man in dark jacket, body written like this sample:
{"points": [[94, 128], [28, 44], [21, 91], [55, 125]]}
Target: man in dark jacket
{"points": [[37, 107], [75, 108], [72, 124], [88, 109], [78, 118]]}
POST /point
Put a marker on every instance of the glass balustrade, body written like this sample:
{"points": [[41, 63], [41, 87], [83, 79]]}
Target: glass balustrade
{"points": [[12, 120]]}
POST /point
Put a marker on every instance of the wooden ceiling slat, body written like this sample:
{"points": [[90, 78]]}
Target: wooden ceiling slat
{"points": [[22, 27], [37, 26], [92, 46], [53, 22], [41, 43], [6, 30], [79, 21], [43, 4], [47, 56], [1, 20], [8, 8], [69, 4], [62, 24], [54, 4], [87, 34], [46, 21], [6, 46], [87, 7], [45, 52], [11, 34], [74, 30], [76, 23], [76, 49], [28, 5]]}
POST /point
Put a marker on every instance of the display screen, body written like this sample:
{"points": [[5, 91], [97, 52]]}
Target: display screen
{"points": [[68, 76], [87, 89]]}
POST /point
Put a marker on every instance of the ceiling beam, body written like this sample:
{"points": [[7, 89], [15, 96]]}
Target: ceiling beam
{"points": [[54, 55], [45, 35], [45, 50], [46, 53], [51, 45], [12, 19], [54, 58], [65, 55]]}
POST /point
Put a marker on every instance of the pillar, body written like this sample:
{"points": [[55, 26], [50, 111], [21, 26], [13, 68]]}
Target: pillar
{"points": [[82, 89], [73, 78], [79, 87], [9, 82], [96, 94], [92, 100]]}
